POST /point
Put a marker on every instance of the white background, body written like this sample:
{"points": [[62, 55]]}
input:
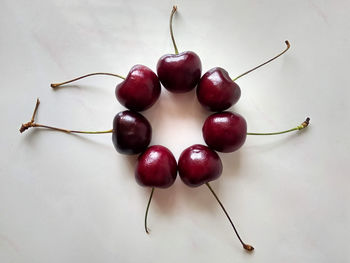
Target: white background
{"points": [[67, 198]]}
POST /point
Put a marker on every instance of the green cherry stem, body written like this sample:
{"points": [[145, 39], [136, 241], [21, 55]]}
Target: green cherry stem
{"points": [[298, 128], [280, 54], [32, 124], [55, 85], [171, 28], [245, 246], [146, 214]]}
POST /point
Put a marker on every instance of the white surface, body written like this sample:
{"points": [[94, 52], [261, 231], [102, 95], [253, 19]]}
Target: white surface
{"points": [[70, 198]]}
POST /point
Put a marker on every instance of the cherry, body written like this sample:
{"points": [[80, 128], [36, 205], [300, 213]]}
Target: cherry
{"points": [[156, 167], [140, 90], [216, 91], [198, 165], [225, 131], [131, 132], [179, 72]]}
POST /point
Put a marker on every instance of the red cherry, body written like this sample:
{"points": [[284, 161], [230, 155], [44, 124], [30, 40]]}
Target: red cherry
{"points": [[179, 72], [156, 167], [216, 91], [198, 165], [140, 89], [225, 131], [131, 132]]}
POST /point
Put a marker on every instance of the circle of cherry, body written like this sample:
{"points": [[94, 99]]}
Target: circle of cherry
{"points": [[223, 131]]}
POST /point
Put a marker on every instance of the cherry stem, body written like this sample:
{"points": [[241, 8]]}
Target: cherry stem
{"points": [[55, 85], [146, 214], [245, 246], [280, 54], [171, 28], [32, 124], [298, 128]]}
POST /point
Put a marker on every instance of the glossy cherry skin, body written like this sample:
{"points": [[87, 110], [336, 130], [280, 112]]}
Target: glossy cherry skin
{"points": [[131, 132], [198, 165], [140, 89], [156, 167], [179, 73], [216, 91], [225, 131]]}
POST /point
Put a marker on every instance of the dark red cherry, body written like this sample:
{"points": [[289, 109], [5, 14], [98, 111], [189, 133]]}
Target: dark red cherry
{"points": [[131, 132], [216, 91], [225, 131], [140, 89], [179, 72], [156, 167], [198, 165]]}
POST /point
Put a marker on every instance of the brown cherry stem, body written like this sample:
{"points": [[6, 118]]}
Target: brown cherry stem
{"points": [[245, 246], [173, 11], [280, 54], [298, 128], [55, 85], [146, 214], [32, 124]]}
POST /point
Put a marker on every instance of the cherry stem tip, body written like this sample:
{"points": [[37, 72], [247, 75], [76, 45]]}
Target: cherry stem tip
{"points": [[304, 124], [248, 247], [26, 126]]}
